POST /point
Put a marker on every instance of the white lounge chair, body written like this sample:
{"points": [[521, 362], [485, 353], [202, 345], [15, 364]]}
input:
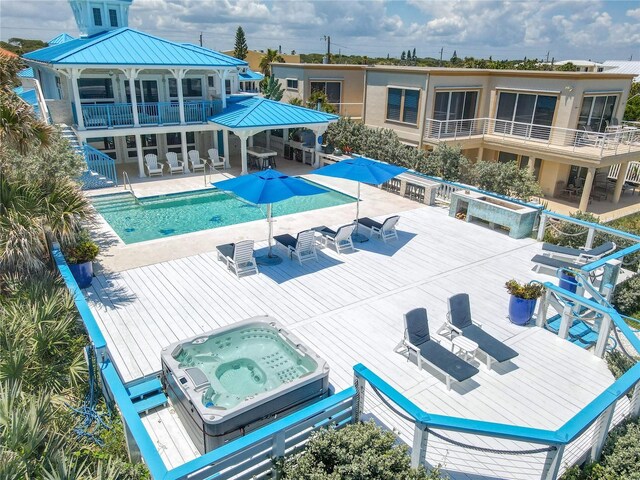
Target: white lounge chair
{"points": [[175, 165], [238, 257], [153, 166], [385, 230], [303, 246], [340, 238], [196, 162], [215, 159]]}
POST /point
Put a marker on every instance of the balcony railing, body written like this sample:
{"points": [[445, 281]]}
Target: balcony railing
{"points": [[118, 115], [633, 172], [623, 139]]}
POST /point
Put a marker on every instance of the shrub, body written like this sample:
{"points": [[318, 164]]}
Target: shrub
{"points": [[448, 162], [81, 249], [505, 179], [527, 291], [618, 363], [626, 297], [361, 451]]}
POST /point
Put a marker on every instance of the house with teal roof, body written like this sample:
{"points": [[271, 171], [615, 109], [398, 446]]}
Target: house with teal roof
{"points": [[128, 94]]}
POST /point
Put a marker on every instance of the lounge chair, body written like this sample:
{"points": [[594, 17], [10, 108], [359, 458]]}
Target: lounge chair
{"points": [[554, 263], [459, 322], [418, 341], [578, 255], [238, 257], [153, 166], [175, 165], [215, 159], [385, 230], [196, 162], [340, 238], [303, 246]]}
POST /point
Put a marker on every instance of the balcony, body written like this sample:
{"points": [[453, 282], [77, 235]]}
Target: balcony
{"points": [[120, 115], [619, 141]]}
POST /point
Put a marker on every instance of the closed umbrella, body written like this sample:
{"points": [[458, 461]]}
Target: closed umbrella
{"points": [[361, 170], [268, 187]]}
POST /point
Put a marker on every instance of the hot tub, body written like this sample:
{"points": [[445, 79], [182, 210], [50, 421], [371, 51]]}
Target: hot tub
{"points": [[230, 381]]}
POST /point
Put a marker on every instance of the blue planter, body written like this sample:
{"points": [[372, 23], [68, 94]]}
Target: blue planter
{"points": [[521, 310], [568, 282], [83, 273]]}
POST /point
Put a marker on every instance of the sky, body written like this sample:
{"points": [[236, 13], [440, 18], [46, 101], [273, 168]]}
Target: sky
{"points": [[585, 29]]}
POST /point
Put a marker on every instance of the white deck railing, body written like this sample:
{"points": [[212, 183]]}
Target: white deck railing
{"points": [[624, 139], [633, 172]]}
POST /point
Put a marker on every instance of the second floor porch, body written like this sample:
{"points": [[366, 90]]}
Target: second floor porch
{"points": [[616, 144]]}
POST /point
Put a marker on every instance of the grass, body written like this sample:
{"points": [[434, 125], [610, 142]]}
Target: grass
{"points": [[630, 223]]}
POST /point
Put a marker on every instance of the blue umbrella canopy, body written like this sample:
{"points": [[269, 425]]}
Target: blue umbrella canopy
{"points": [[268, 186], [362, 169]]}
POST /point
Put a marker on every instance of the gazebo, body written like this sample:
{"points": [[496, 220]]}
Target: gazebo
{"points": [[249, 116]]}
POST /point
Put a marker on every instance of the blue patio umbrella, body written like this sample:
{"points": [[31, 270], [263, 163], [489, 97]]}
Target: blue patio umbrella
{"points": [[266, 188], [361, 170]]}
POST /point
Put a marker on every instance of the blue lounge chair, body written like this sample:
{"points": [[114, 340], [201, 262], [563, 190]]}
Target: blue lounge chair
{"points": [[459, 322], [418, 341], [238, 257], [340, 238], [303, 246], [385, 230]]}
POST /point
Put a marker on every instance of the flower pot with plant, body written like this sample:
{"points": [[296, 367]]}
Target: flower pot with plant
{"points": [[524, 297], [80, 255], [568, 280]]}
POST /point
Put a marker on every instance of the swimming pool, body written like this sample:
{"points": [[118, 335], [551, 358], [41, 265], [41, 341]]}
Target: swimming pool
{"points": [[149, 218]]}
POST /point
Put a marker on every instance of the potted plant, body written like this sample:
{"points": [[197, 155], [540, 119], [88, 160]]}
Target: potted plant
{"points": [[80, 255], [523, 300], [568, 280]]}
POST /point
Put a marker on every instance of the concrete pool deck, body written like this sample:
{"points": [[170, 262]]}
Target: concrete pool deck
{"points": [[116, 256]]}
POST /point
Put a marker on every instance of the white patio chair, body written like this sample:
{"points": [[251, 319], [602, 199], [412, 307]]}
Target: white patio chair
{"points": [[196, 162], [215, 159], [175, 165], [238, 257], [153, 166], [340, 238], [385, 230], [303, 246]]}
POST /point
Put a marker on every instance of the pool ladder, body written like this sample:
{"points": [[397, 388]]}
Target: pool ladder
{"points": [[126, 181]]}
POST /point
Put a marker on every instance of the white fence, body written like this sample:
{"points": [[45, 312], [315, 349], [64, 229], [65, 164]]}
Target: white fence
{"points": [[633, 172]]}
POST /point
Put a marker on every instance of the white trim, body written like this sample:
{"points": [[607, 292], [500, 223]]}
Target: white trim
{"points": [[470, 87], [602, 92], [404, 88], [529, 90]]}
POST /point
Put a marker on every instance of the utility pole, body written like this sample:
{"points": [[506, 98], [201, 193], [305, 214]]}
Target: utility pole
{"points": [[441, 50], [547, 60], [200, 38], [328, 40]]}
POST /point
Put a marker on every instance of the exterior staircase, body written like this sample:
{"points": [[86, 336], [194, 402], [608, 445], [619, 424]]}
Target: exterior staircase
{"points": [[90, 179], [147, 395]]}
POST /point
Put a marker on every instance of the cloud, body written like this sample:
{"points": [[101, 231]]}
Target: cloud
{"points": [[634, 13]]}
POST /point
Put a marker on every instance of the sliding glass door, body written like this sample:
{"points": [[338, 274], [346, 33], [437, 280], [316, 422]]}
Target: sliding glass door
{"points": [[597, 112], [525, 114], [455, 105]]}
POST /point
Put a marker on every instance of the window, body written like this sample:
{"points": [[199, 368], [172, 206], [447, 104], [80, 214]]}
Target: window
{"points": [[292, 83], [597, 112], [59, 87], [113, 17], [95, 88], [506, 157], [210, 80], [403, 105], [146, 91], [524, 114], [455, 107], [191, 87], [227, 87], [149, 144], [106, 145], [333, 91], [97, 17], [174, 142]]}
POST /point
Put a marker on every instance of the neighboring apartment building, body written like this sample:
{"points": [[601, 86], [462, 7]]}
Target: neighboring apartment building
{"points": [[554, 123], [254, 57]]}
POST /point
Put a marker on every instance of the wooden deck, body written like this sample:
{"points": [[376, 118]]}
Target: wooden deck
{"points": [[349, 308]]}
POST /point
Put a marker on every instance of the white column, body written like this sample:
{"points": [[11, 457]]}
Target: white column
{"points": [[132, 74], [76, 97], [586, 192], [419, 450], [185, 154], [215, 139], [140, 156], [251, 141], [268, 133], [225, 144], [223, 91], [318, 132], [622, 175], [243, 151], [179, 74]]}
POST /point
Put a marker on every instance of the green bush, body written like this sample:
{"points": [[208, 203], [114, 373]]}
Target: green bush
{"points": [[626, 297], [80, 249], [505, 179], [361, 451], [618, 363]]}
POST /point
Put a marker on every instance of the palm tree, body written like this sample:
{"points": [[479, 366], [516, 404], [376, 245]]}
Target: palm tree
{"points": [[267, 59]]}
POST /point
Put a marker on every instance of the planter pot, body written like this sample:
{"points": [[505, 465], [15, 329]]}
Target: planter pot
{"points": [[521, 310], [82, 273], [568, 282]]}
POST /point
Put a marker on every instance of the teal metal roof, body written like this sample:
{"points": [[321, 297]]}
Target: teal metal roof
{"points": [[254, 112], [62, 38], [250, 76], [126, 46], [26, 73]]}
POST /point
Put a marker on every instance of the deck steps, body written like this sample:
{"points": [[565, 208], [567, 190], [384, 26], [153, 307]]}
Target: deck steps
{"points": [[580, 333], [147, 395], [89, 179]]}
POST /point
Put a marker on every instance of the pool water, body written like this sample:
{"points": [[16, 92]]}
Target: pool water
{"points": [[243, 363], [139, 220]]}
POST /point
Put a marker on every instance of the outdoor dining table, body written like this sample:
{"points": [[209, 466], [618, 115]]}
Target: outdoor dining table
{"points": [[266, 158]]}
